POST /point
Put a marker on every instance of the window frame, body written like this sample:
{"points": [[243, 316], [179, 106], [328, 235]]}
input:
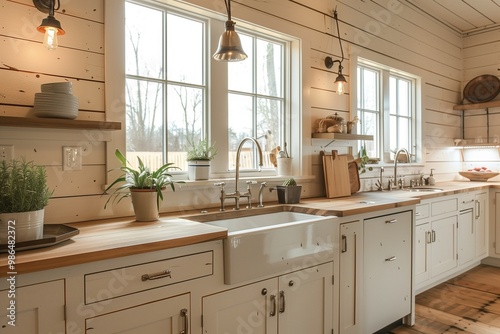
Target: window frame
{"points": [[384, 74], [216, 108]]}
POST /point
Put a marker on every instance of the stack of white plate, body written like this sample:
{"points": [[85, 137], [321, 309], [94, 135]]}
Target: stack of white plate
{"points": [[56, 101]]}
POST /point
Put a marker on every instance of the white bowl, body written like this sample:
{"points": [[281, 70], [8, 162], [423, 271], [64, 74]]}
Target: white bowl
{"points": [[478, 176]]}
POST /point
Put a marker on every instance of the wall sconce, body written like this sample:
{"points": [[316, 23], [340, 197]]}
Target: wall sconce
{"points": [[50, 26], [230, 48], [340, 81]]}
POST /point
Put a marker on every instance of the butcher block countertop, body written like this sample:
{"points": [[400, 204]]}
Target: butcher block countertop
{"points": [[107, 239]]}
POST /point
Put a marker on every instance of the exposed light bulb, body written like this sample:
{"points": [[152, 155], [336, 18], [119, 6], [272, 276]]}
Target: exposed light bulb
{"points": [[340, 87], [50, 39]]}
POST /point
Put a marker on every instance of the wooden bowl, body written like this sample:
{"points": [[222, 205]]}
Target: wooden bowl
{"points": [[478, 176]]}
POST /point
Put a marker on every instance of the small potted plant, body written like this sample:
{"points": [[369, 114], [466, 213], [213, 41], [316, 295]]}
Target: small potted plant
{"points": [[23, 197], [143, 185], [289, 192], [199, 156]]}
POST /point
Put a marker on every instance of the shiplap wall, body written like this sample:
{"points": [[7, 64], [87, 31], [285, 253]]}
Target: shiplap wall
{"points": [[386, 30]]}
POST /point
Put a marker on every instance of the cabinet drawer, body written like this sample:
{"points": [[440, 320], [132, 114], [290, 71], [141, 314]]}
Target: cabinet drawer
{"points": [[444, 206], [123, 281], [422, 211], [466, 201], [389, 234]]}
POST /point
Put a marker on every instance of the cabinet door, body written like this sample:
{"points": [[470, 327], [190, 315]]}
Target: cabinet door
{"points": [[39, 309], [466, 237], [444, 245], [167, 316], [481, 225], [350, 255], [422, 252], [305, 301], [249, 309], [387, 270]]}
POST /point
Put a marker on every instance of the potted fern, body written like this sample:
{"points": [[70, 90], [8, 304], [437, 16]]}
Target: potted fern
{"points": [[143, 185], [24, 194], [199, 156]]}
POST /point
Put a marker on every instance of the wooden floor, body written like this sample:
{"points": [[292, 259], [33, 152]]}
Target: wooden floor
{"points": [[469, 303]]}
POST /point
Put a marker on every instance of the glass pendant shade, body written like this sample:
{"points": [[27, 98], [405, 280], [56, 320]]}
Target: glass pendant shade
{"points": [[340, 82], [230, 48], [50, 26]]}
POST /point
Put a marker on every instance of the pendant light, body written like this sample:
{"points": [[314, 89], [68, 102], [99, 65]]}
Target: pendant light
{"points": [[340, 81], [230, 48], [50, 26]]}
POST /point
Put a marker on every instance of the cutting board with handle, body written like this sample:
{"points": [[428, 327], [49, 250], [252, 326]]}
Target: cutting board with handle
{"points": [[336, 170]]}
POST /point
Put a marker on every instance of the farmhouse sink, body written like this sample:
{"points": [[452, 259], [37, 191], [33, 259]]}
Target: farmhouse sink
{"points": [[271, 243], [423, 189]]}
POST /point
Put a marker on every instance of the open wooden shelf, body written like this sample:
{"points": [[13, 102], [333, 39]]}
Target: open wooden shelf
{"points": [[472, 106], [58, 123], [341, 136]]}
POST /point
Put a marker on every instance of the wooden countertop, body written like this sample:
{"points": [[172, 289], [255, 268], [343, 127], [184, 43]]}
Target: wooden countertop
{"points": [[107, 239], [102, 240]]}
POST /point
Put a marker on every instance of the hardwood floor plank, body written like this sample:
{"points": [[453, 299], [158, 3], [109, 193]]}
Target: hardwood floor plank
{"points": [[466, 304]]}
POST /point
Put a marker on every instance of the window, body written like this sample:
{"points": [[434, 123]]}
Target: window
{"points": [[169, 99], [387, 110], [256, 98]]}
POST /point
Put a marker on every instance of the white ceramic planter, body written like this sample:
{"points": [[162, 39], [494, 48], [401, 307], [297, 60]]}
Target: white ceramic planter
{"points": [[26, 226], [198, 169], [144, 202]]}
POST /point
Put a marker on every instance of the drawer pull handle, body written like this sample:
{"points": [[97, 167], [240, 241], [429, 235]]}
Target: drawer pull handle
{"points": [[165, 273], [282, 301], [418, 214], [184, 315], [433, 236], [390, 259], [273, 305], [392, 221], [465, 202], [344, 243]]}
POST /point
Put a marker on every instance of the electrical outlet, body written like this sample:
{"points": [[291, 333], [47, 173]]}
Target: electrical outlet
{"points": [[6, 152], [72, 158]]}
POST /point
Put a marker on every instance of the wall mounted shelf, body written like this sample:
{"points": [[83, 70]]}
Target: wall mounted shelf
{"points": [[473, 106], [58, 123], [341, 136]]}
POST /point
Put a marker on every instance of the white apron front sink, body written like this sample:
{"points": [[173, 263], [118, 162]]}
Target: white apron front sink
{"points": [[275, 243]]}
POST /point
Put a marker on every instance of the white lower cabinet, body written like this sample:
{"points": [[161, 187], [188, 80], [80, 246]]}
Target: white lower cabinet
{"points": [[451, 235], [37, 308], [167, 316], [387, 278], [296, 303], [350, 279]]}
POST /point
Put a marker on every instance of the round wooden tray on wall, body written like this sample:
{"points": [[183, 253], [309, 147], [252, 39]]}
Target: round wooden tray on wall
{"points": [[483, 88]]}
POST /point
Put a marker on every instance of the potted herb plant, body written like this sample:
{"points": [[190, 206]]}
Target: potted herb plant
{"points": [[199, 156], [289, 192], [143, 185], [23, 197]]}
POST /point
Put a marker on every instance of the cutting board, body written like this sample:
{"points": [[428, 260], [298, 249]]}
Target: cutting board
{"points": [[336, 170]]}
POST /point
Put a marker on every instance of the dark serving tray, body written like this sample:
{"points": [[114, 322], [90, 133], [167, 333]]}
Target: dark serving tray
{"points": [[52, 235]]}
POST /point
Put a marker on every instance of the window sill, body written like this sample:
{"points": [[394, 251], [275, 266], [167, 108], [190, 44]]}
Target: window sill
{"points": [[271, 180]]}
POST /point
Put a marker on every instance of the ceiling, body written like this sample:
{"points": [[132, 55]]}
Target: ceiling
{"points": [[463, 16]]}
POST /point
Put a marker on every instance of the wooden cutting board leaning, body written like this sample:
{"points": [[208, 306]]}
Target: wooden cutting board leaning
{"points": [[336, 171]]}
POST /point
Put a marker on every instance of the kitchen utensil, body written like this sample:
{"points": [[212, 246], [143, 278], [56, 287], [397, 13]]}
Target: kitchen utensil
{"points": [[354, 182]]}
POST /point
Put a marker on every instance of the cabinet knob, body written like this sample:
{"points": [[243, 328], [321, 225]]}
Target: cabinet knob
{"points": [[264, 292], [291, 283]]}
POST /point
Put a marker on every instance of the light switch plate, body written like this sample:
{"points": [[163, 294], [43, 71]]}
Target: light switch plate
{"points": [[72, 158]]}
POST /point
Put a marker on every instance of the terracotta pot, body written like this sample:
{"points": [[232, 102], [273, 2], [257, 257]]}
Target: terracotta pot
{"points": [[145, 205]]}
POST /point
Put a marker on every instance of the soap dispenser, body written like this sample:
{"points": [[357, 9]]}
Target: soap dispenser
{"points": [[432, 181]]}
